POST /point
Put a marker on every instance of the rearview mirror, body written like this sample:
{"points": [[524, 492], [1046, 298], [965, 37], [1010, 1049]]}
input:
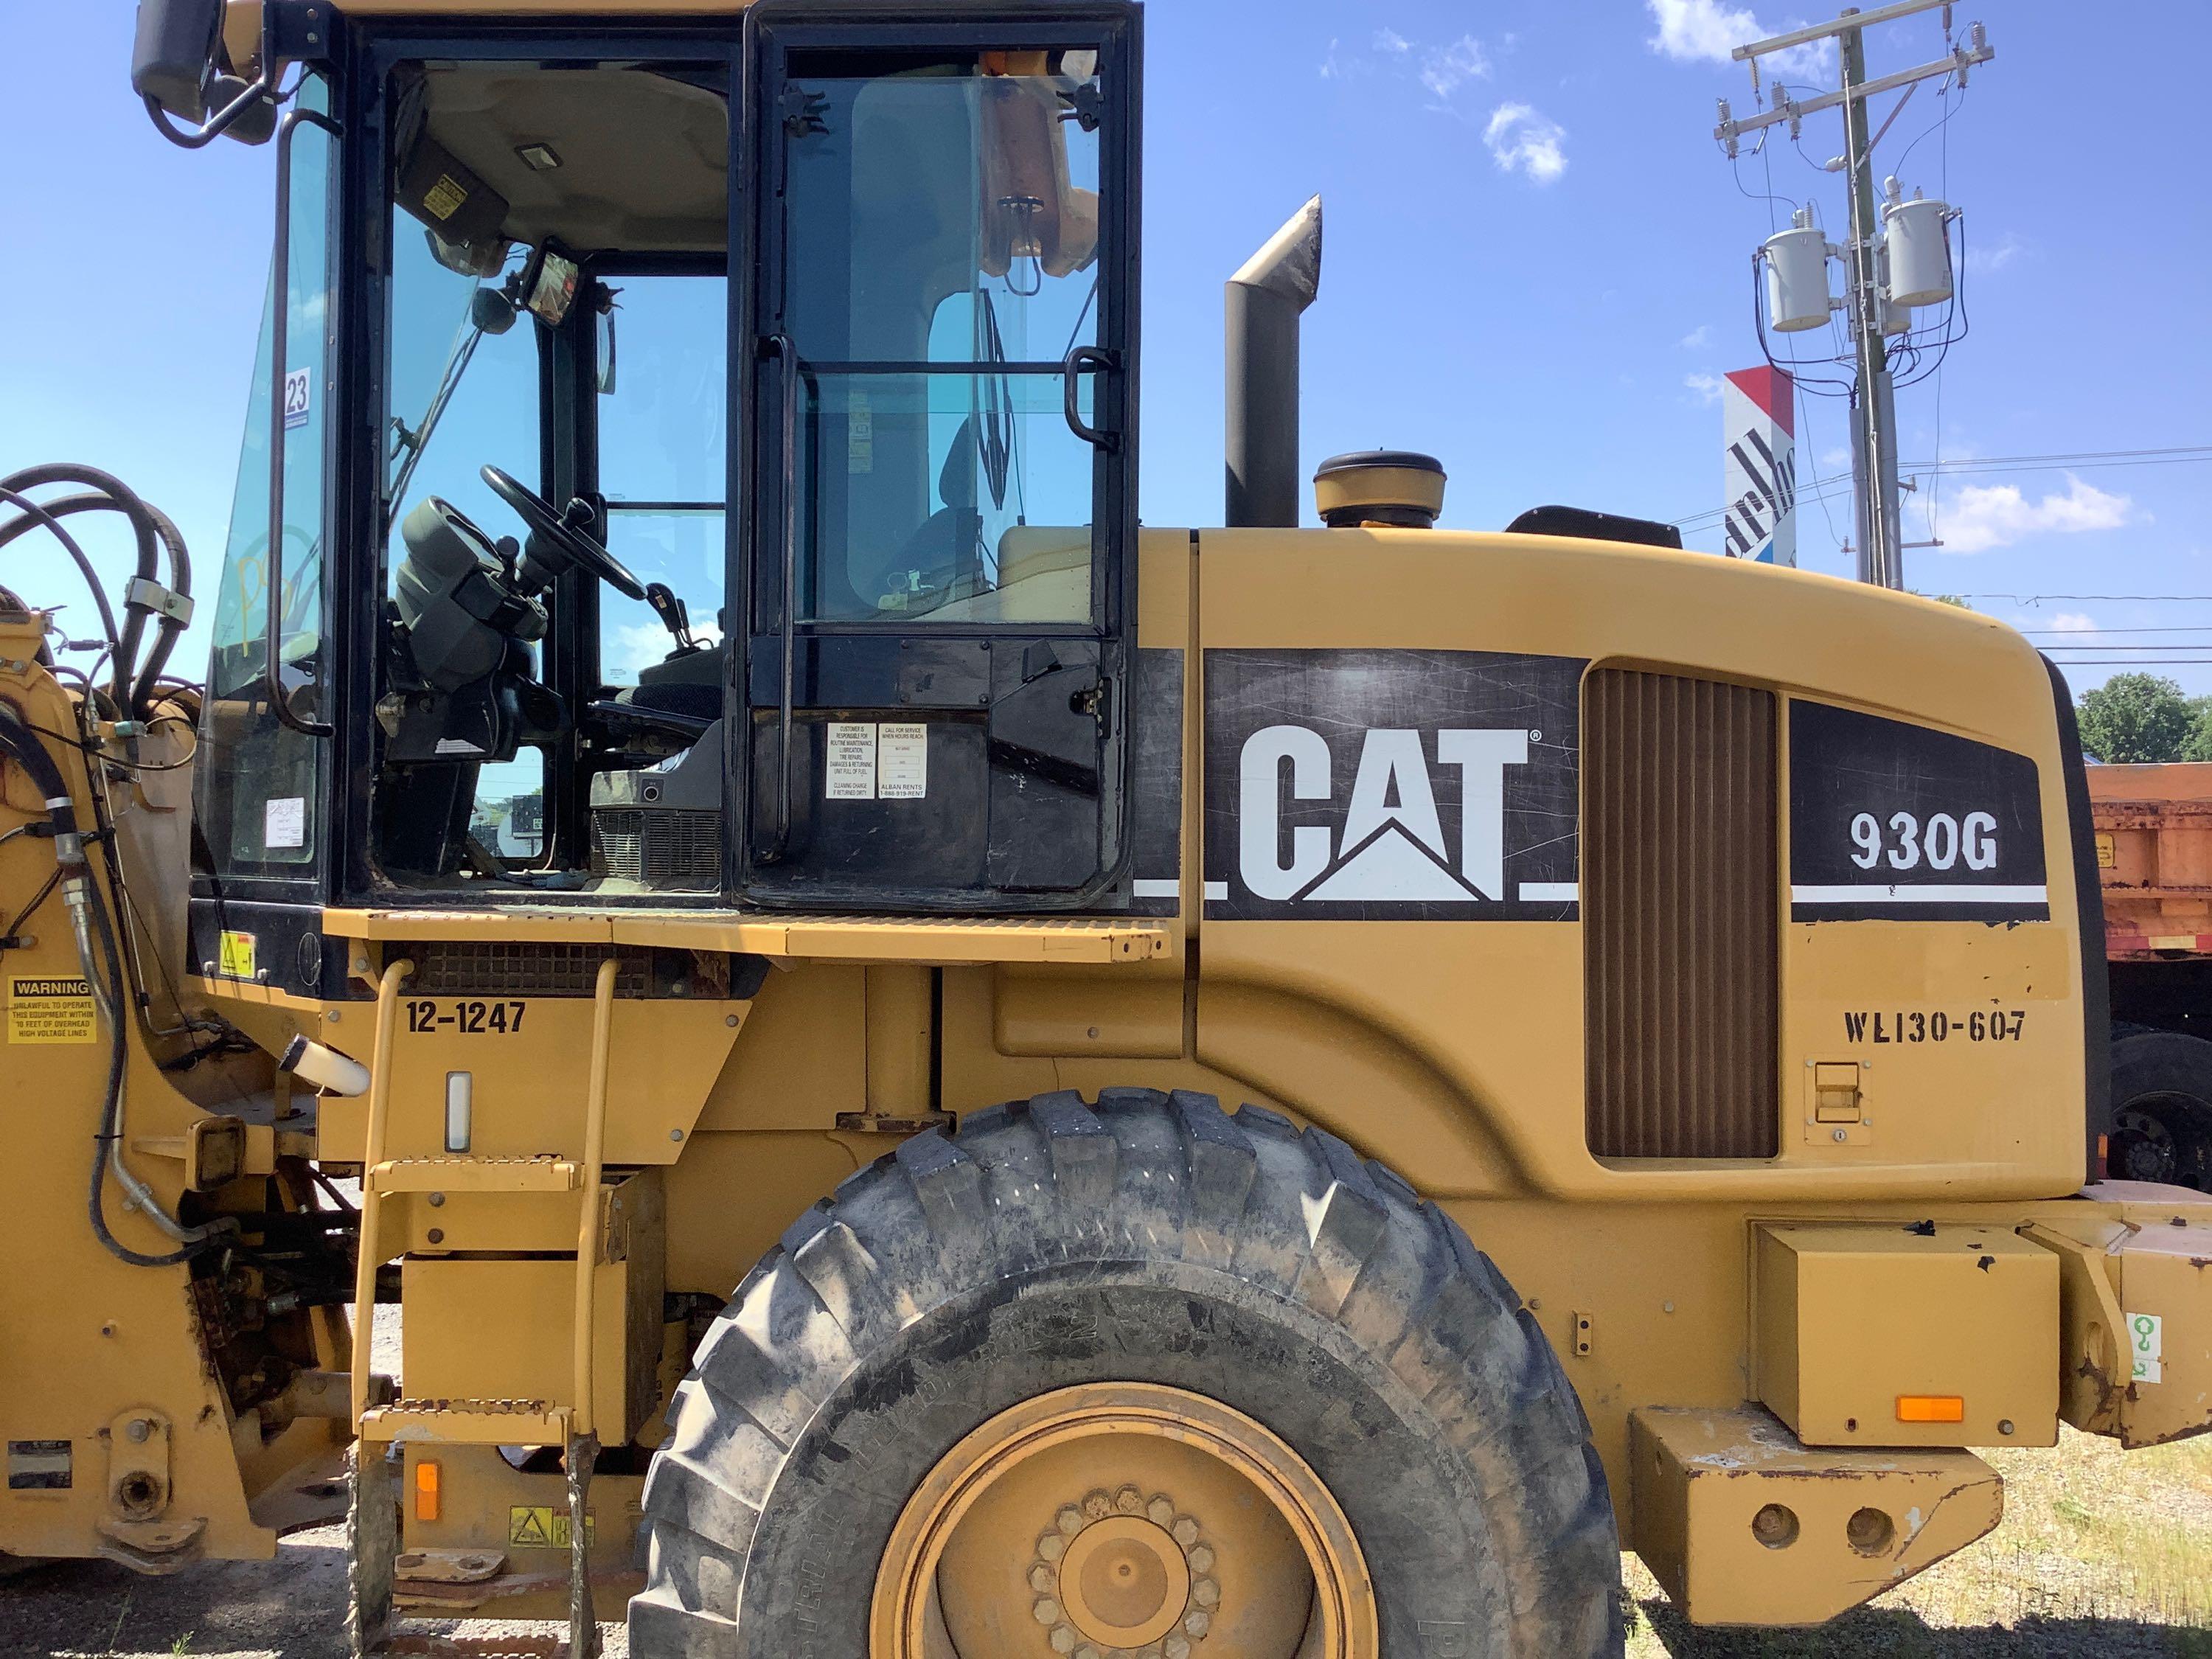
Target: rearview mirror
{"points": [[179, 67], [173, 57]]}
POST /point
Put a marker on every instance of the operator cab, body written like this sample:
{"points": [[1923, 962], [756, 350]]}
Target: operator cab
{"points": [[811, 589]]}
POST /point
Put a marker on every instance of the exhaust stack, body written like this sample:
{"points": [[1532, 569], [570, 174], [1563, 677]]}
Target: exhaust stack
{"points": [[1265, 299]]}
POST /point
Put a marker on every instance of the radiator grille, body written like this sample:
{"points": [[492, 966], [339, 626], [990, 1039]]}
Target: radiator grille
{"points": [[513, 969], [1681, 919]]}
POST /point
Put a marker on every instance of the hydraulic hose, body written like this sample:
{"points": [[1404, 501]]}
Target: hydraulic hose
{"points": [[126, 501], [170, 629], [35, 517], [103, 970]]}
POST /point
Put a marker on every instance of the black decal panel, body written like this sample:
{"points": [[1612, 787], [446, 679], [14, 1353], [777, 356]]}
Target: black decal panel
{"points": [[1890, 821], [1156, 814], [1391, 785], [39, 1465]]}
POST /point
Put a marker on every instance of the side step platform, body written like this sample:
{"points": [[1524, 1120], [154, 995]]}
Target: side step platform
{"points": [[373, 1526]]}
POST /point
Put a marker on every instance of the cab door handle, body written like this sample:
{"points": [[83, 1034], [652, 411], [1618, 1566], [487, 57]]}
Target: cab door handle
{"points": [[1082, 358]]}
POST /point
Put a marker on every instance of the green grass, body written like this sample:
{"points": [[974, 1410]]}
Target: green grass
{"points": [[2101, 1554]]}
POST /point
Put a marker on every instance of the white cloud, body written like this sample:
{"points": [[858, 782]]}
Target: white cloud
{"points": [[1982, 516], [1523, 141], [1706, 31], [639, 645], [1342, 65], [1707, 386], [1996, 255], [2072, 621], [1698, 338], [1445, 69]]}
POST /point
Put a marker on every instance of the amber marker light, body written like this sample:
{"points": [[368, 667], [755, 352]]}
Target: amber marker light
{"points": [[1931, 1408], [426, 1486]]}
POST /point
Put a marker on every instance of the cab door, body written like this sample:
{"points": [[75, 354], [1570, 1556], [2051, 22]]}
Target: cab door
{"points": [[940, 460]]}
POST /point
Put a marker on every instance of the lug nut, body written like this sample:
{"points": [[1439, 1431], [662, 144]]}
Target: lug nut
{"points": [[1128, 1500], [1052, 1545], [1069, 1521], [1046, 1612], [1043, 1578]]}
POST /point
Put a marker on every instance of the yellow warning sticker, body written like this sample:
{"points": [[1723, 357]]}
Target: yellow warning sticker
{"points": [[237, 959], [51, 1011], [2108, 853], [440, 200], [543, 1527]]}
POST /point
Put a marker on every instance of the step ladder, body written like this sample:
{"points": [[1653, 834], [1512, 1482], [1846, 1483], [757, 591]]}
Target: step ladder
{"points": [[382, 1427]]}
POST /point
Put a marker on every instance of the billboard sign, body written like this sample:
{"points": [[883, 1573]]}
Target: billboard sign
{"points": [[1759, 467]]}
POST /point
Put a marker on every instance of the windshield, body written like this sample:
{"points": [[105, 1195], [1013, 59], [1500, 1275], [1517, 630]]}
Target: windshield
{"points": [[460, 396]]}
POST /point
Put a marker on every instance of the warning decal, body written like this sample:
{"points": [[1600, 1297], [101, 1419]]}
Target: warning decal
{"points": [[236, 961], [543, 1527], [51, 1010]]}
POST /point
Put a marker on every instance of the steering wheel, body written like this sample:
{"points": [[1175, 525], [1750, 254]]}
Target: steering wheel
{"points": [[558, 539]]}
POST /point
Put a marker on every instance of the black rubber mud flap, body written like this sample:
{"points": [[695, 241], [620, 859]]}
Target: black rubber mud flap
{"points": [[372, 1550], [1150, 1238]]}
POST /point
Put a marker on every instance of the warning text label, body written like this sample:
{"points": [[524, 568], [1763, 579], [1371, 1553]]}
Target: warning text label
{"points": [[51, 1010]]}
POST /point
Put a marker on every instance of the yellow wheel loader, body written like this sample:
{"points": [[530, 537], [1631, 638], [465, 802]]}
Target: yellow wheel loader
{"points": [[918, 1070]]}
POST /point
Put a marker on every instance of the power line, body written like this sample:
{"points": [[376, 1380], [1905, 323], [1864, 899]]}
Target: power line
{"points": [[2079, 461], [2092, 599]]}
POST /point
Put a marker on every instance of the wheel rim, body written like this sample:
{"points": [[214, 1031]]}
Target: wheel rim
{"points": [[1122, 1519], [2148, 1150]]}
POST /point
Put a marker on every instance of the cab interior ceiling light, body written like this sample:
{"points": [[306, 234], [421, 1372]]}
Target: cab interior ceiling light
{"points": [[538, 158]]}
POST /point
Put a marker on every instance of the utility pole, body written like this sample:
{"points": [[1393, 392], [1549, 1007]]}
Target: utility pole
{"points": [[1874, 404], [1867, 305]]}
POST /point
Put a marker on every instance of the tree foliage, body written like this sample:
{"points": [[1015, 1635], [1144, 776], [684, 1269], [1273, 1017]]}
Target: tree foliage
{"points": [[2197, 746], [2134, 718]]}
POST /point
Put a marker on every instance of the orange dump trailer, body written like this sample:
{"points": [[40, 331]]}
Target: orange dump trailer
{"points": [[2155, 858]]}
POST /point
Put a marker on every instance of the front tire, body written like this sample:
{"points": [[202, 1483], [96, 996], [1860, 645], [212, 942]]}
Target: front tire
{"points": [[1108, 1257]]}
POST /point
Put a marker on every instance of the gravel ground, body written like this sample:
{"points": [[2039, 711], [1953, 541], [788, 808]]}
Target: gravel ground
{"points": [[2103, 1555]]}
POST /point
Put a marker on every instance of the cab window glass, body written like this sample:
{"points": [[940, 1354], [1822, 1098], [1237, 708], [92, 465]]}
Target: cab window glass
{"points": [[942, 258], [260, 781], [664, 450]]}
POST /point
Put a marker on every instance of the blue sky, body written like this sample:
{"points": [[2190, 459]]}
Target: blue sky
{"points": [[1537, 262]]}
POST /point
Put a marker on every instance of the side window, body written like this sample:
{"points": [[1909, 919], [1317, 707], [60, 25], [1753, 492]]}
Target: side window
{"points": [[664, 453], [260, 781], [941, 258]]}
